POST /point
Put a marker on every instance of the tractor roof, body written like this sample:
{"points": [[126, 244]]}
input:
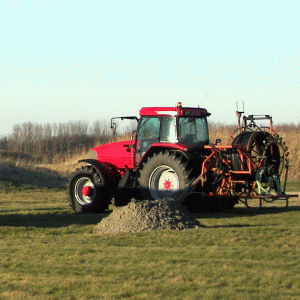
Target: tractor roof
{"points": [[174, 111]]}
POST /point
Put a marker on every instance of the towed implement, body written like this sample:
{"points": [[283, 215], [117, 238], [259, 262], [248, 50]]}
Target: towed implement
{"points": [[170, 156]]}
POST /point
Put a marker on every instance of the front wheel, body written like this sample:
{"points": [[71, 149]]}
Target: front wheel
{"points": [[88, 191]]}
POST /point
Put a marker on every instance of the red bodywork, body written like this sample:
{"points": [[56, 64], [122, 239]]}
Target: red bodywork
{"points": [[117, 154], [120, 155], [173, 111]]}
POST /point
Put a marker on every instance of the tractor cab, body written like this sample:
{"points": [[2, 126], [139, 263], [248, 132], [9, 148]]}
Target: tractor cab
{"points": [[171, 127]]}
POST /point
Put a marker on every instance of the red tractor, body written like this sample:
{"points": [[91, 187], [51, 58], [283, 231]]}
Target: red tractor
{"points": [[170, 156]]}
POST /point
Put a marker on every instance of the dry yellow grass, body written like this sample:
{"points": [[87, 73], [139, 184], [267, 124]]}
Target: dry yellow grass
{"points": [[291, 135], [289, 132]]}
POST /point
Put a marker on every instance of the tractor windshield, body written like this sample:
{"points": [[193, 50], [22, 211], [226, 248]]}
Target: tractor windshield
{"points": [[193, 131]]}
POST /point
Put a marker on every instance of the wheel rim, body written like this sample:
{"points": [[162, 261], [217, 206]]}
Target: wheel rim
{"points": [[163, 182], [80, 186]]}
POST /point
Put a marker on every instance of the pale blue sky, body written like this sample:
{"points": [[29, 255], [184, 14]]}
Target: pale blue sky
{"points": [[92, 60]]}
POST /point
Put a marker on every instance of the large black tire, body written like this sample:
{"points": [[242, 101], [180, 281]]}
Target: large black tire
{"points": [[165, 174], [97, 195]]}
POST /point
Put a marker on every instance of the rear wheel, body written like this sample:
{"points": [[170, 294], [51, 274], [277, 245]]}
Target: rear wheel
{"points": [[88, 191], [164, 175]]}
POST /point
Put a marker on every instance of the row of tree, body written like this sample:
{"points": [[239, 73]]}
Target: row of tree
{"points": [[49, 141]]}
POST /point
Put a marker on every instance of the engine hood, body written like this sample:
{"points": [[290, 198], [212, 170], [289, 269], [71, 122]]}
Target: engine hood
{"points": [[117, 154]]}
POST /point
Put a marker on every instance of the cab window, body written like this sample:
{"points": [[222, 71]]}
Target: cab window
{"points": [[148, 133], [168, 130], [193, 131]]}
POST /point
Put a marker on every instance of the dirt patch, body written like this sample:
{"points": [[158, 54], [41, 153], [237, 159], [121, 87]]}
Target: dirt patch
{"points": [[147, 215]]}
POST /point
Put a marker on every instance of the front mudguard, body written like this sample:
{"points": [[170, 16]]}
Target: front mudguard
{"points": [[102, 168]]}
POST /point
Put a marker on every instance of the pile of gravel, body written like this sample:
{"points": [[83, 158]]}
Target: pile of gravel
{"points": [[147, 215]]}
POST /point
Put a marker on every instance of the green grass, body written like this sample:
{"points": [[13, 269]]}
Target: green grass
{"points": [[50, 252], [293, 186]]}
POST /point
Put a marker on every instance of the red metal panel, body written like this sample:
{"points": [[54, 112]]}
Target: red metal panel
{"points": [[158, 111], [173, 111], [180, 147], [115, 154]]}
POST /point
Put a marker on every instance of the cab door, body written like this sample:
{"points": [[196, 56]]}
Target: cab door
{"points": [[147, 134]]}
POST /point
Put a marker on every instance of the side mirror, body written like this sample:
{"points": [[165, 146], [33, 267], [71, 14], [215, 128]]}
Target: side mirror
{"points": [[114, 128]]}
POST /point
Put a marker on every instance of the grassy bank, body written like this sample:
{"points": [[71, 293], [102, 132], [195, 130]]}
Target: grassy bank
{"points": [[49, 252]]}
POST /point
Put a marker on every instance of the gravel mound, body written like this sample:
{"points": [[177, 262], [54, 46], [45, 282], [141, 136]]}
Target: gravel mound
{"points": [[147, 215]]}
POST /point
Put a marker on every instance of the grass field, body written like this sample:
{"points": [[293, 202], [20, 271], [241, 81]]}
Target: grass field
{"points": [[50, 252]]}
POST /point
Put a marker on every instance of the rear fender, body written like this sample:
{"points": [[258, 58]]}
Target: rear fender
{"points": [[169, 147], [101, 168]]}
